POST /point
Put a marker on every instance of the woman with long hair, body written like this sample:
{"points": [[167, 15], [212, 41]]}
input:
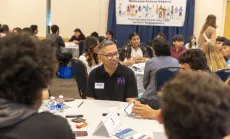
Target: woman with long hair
{"points": [[208, 31], [89, 57], [215, 59], [192, 43], [78, 36]]}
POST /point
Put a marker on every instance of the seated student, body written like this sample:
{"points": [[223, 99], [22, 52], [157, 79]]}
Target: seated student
{"points": [[178, 48], [6, 28], [17, 30], [34, 29], [220, 41], [192, 43], [215, 59], [2, 33], [195, 105], [160, 34], [78, 36], [226, 50], [111, 81], [163, 59], [101, 39], [133, 51], [27, 30], [29, 67], [192, 60], [94, 34], [109, 36], [54, 36], [90, 57], [62, 56]]}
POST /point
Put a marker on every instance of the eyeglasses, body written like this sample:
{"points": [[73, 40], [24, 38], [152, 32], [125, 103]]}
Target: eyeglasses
{"points": [[110, 56]]}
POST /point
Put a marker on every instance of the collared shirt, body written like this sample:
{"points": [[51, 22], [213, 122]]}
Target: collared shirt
{"points": [[121, 85], [137, 53], [176, 54]]}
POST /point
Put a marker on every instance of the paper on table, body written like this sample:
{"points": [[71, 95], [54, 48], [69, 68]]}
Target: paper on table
{"points": [[159, 135]]}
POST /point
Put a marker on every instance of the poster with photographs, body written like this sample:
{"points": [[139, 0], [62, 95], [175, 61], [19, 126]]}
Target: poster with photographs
{"points": [[151, 12]]}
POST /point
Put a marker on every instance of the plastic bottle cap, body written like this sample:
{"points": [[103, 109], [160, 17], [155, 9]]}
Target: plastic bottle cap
{"points": [[61, 96], [52, 97]]}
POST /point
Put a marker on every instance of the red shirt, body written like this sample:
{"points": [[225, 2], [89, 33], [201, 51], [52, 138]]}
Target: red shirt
{"points": [[176, 54]]}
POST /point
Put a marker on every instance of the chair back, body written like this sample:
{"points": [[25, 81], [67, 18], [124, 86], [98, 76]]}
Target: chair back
{"points": [[223, 74], [81, 47], [163, 75], [80, 75], [149, 50]]}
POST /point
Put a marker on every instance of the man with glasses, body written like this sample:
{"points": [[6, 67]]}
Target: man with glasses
{"points": [[111, 81]]}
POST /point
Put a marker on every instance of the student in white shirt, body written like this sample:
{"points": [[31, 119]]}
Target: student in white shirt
{"points": [[192, 43], [133, 51], [89, 57]]}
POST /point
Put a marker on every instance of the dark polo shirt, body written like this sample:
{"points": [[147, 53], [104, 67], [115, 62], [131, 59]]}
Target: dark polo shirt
{"points": [[121, 85]]}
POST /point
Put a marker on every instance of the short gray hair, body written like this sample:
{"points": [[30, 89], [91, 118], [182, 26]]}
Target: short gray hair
{"points": [[105, 43]]}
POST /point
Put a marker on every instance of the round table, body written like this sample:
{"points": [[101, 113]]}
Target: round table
{"points": [[93, 110], [71, 48], [139, 76]]}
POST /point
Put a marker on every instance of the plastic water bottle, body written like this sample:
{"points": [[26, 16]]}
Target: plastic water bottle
{"points": [[228, 63], [60, 104], [52, 104]]}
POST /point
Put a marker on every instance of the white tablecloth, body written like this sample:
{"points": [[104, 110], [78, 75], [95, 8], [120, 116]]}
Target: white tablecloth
{"points": [[93, 110], [71, 48], [139, 76]]}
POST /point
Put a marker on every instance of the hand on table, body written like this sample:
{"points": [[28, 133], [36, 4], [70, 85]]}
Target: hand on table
{"points": [[130, 62], [145, 111], [139, 59], [76, 42]]}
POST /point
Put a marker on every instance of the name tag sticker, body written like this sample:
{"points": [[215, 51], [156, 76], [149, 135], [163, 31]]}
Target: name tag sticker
{"points": [[99, 85]]}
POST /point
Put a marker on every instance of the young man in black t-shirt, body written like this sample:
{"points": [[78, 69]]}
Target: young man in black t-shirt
{"points": [[111, 81]]}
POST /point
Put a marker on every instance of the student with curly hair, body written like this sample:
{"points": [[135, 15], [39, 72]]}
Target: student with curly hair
{"points": [[195, 105], [27, 68], [192, 60]]}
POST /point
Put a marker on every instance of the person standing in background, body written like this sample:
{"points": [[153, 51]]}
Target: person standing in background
{"points": [[215, 59], [208, 31]]}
